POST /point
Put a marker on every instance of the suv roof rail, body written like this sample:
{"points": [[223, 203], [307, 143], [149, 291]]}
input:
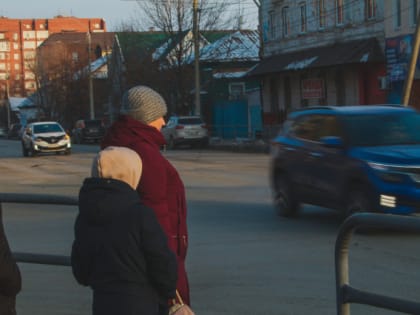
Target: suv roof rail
{"points": [[312, 107]]}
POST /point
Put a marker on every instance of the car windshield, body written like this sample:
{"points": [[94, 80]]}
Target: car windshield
{"points": [[190, 121], [44, 128], [383, 129]]}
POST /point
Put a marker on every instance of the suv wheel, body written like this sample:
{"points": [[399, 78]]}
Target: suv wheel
{"points": [[284, 202], [357, 201]]}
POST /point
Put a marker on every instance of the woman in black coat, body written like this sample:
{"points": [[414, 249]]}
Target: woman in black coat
{"points": [[10, 278], [120, 250]]}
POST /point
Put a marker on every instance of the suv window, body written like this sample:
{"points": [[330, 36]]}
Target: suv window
{"points": [[383, 129], [314, 127]]}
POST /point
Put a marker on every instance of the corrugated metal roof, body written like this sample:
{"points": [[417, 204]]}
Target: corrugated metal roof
{"points": [[351, 52], [242, 45]]}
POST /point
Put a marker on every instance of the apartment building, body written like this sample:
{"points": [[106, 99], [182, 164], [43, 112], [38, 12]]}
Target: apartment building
{"points": [[19, 39], [321, 52]]}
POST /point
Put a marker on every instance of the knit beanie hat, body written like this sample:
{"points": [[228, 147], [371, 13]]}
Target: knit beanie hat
{"points": [[143, 104], [119, 163]]}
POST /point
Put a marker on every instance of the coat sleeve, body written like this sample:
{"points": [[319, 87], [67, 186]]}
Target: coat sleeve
{"points": [[160, 260], [10, 277], [81, 260]]}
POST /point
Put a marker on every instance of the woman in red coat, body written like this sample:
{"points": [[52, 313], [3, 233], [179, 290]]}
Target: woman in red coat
{"points": [[160, 187]]}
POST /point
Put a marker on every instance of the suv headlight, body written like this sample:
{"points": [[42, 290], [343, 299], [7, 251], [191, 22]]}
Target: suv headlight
{"points": [[386, 173]]}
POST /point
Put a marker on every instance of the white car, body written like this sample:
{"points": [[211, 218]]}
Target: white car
{"points": [[189, 130], [44, 137]]}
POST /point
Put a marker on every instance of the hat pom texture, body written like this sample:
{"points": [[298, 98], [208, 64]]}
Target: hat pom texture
{"points": [[143, 104]]}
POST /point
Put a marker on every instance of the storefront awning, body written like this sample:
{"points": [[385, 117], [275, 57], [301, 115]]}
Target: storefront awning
{"points": [[351, 52]]}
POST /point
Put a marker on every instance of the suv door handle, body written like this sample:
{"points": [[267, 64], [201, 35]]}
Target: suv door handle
{"points": [[289, 149], [315, 154]]}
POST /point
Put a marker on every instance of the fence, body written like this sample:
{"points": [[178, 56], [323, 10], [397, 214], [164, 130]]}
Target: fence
{"points": [[347, 294], [36, 258]]}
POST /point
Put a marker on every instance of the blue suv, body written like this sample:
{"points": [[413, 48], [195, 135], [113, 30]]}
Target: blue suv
{"points": [[350, 158]]}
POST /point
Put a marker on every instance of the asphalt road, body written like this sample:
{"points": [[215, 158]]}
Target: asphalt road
{"points": [[242, 258]]}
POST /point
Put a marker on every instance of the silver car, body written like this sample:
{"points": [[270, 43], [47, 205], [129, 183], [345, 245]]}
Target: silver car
{"points": [[185, 130], [44, 137]]}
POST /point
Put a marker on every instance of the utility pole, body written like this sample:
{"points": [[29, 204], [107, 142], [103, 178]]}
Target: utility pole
{"points": [[91, 100], [196, 57], [412, 68]]}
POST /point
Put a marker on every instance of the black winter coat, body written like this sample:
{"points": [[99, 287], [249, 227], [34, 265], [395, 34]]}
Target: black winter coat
{"points": [[10, 278], [121, 251]]}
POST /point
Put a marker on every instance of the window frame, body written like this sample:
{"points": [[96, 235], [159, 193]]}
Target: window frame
{"points": [[285, 20], [303, 17], [339, 12], [370, 9], [322, 21]]}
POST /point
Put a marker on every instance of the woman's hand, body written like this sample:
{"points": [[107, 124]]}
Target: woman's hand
{"points": [[180, 309]]}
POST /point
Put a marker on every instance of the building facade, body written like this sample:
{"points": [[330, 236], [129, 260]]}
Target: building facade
{"points": [[400, 25], [19, 39], [321, 52]]}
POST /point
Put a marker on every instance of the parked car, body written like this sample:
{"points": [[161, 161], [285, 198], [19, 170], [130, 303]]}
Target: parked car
{"points": [[88, 130], [15, 131], [3, 132], [188, 130], [43, 137], [350, 158]]}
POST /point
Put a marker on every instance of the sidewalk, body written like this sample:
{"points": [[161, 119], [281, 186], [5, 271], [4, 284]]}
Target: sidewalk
{"points": [[240, 145]]}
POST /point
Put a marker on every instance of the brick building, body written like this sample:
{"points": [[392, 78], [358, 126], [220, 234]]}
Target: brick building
{"points": [[19, 39]]}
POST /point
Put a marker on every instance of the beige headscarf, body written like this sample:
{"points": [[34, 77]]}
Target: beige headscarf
{"points": [[118, 163]]}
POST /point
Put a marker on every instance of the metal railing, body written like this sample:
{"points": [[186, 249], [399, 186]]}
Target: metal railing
{"points": [[35, 258], [347, 294]]}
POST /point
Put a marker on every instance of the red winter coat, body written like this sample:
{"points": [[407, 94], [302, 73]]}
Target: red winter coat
{"points": [[160, 187]]}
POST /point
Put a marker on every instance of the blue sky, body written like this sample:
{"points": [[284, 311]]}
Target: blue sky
{"points": [[113, 11]]}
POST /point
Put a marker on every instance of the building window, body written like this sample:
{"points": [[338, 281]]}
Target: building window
{"points": [[370, 9], [236, 90], [321, 13], [16, 56], [413, 12], [4, 46], [272, 25], [286, 21], [17, 66], [397, 14], [302, 10], [339, 12], [75, 56], [2, 56]]}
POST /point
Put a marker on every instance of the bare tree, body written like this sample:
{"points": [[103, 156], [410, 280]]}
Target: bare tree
{"points": [[258, 4], [175, 19]]}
